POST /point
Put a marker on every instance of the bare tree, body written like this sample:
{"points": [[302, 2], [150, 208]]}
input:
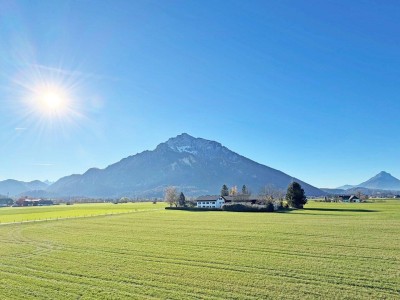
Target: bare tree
{"points": [[272, 194], [171, 196], [268, 192], [233, 191]]}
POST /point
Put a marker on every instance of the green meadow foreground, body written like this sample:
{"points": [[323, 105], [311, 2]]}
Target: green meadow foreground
{"points": [[327, 251]]}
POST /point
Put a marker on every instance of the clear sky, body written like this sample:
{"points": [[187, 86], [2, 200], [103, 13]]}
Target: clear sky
{"points": [[311, 88]]}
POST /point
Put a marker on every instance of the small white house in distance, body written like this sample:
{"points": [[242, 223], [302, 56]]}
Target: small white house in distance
{"points": [[210, 201], [348, 199]]}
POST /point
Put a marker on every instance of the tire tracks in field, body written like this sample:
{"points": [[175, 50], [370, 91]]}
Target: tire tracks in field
{"points": [[335, 279], [172, 287], [15, 235], [41, 247], [304, 276]]}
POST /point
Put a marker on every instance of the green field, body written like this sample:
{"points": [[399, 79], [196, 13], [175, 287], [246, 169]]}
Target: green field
{"points": [[327, 251], [41, 213]]}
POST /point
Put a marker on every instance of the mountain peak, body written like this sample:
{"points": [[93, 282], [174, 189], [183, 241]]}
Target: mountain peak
{"points": [[189, 144], [181, 138], [383, 173], [184, 135], [382, 180], [196, 165]]}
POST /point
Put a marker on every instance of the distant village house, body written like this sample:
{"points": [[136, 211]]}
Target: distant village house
{"points": [[349, 198], [33, 202]]}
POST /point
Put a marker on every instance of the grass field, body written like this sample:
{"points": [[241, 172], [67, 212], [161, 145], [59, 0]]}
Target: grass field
{"points": [[327, 251], [40, 213]]}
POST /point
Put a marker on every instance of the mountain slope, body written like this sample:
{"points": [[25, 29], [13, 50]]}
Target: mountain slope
{"points": [[383, 181], [197, 166], [13, 187], [337, 191]]}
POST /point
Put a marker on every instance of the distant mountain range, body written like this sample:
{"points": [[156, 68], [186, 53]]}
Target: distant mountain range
{"points": [[196, 166], [380, 183], [11, 187]]}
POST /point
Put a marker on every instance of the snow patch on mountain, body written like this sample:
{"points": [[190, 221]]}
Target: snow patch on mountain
{"points": [[186, 149]]}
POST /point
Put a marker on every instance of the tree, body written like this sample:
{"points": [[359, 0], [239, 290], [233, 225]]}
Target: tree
{"points": [[171, 196], [21, 201], [270, 194], [124, 200], [233, 191], [6, 201], [224, 190], [182, 200], [295, 196], [244, 190], [267, 193]]}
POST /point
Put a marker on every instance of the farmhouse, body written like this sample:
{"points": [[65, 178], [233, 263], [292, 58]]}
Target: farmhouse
{"points": [[349, 198], [214, 201]]}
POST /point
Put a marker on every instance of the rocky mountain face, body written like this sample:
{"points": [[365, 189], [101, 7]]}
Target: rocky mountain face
{"points": [[13, 187], [195, 165]]}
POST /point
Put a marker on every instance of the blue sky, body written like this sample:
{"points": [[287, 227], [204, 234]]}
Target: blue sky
{"points": [[307, 87]]}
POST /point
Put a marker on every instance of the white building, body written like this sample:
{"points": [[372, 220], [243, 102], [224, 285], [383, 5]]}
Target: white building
{"points": [[210, 201], [349, 198]]}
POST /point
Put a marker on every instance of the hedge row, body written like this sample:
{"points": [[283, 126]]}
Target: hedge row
{"points": [[248, 208]]}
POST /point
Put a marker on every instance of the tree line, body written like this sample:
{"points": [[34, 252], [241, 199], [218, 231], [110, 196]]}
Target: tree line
{"points": [[295, 196], [172, 198]]}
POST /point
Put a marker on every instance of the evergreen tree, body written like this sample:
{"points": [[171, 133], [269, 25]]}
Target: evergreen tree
{"points": [[182, 200], [224, 190], [295, 196], [244, 190]]}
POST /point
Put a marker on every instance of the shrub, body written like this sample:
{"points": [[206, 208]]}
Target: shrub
{"points": [[243, 207]]}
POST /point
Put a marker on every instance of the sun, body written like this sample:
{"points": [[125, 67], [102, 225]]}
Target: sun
{"points": [[50, 99]]}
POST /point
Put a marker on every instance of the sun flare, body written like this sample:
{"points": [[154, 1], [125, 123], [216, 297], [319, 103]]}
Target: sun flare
{"points": [[51, 99]]}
